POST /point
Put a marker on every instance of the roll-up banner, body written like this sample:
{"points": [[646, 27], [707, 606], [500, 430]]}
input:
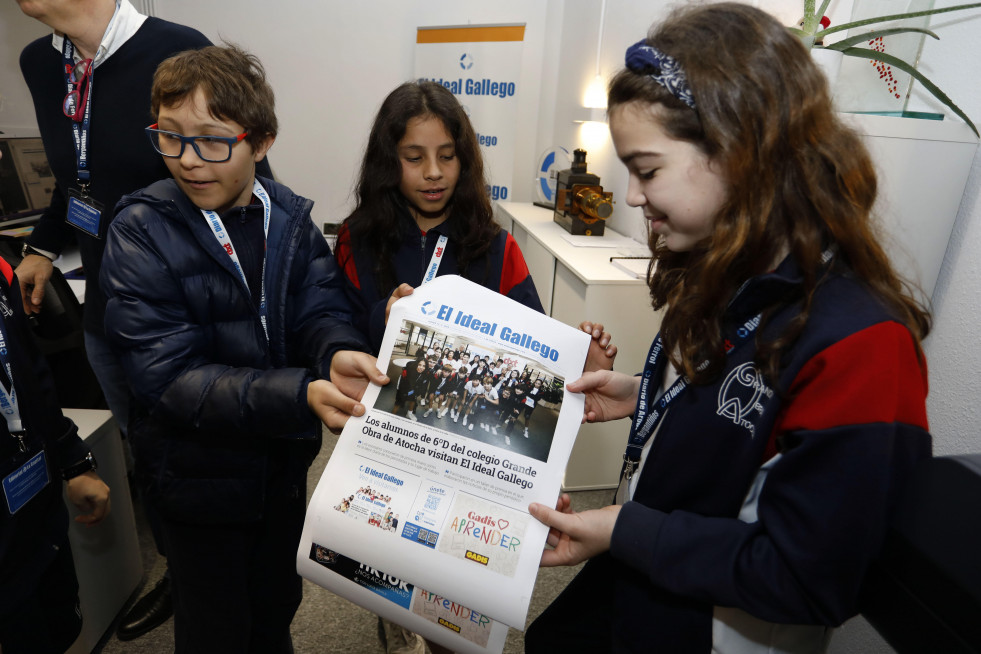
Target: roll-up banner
{"points": [[481, 66]]}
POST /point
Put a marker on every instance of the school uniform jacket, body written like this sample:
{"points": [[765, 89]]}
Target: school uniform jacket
{"points": [[213, 397], [412, 384], [503, 270], [30, 539], [791, 543], [445, 385]]}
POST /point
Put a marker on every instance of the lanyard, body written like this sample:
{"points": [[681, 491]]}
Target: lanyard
{"points": [[80, 131], [648, 417], [214, 221], [437, 258], [8, 394]]}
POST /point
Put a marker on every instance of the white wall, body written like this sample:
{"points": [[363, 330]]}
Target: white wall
{"points": [[953, 64], [16, 108], [332, 63]]}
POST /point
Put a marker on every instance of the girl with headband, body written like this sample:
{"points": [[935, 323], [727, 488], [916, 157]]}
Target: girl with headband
{"points": [[782, 405]]}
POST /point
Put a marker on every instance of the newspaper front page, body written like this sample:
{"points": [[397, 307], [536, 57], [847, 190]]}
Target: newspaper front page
{"points": [[421, 514]]}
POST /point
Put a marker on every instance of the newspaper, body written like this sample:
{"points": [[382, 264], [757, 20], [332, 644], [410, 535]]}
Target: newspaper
{"points": [[424, 518]]}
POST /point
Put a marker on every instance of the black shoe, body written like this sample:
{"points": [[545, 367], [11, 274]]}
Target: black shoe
{"points": [[151, 611]]}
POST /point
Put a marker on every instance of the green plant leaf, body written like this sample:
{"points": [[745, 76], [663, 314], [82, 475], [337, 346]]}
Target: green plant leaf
{"points": [[865, 53], [874, 34], [810, 22], [885, 19], [824, 8]]}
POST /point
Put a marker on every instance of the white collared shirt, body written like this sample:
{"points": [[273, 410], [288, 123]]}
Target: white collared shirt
{"points": [[124, 24]]}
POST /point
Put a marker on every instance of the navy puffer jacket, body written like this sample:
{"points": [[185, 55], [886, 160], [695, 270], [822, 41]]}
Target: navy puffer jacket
{"points": [[214, 400]]}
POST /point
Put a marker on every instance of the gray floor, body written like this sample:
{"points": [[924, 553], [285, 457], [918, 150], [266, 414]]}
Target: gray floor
{"points": [[326, 623]]}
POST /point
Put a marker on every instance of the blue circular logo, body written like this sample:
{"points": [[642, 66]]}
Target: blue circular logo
{"points": [[427, 309], [466, 61]]}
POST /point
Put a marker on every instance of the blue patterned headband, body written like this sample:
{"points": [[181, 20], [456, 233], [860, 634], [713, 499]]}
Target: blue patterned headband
{"points": [[641, 58]]}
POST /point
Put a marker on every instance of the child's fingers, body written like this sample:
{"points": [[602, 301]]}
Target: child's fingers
{"points": [[331, 405], [367, 365]]}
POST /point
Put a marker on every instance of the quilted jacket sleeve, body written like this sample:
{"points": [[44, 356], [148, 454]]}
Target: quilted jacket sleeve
{"points": [[318, 311]]}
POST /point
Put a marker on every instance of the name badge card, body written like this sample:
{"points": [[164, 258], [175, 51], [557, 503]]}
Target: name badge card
{"points": [[24, 483], [84, 213]]}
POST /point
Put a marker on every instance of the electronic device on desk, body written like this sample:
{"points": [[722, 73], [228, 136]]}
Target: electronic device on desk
{"points": [[26, 180], [581, 204]]}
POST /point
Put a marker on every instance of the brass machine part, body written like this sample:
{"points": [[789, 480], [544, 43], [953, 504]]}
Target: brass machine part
{"points": [[589, 202]]}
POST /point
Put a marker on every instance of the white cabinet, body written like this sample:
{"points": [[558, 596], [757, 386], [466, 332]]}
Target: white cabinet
{"points": [[580, 283], [107, 557]]}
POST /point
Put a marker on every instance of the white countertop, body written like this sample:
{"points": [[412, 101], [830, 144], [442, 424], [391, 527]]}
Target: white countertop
{"points": [[591, 264]]}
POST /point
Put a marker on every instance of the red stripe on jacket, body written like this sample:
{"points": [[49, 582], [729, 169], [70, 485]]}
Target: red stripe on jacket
{"points": [[514, 270], [8, 272], [344, 256], [872, 376]]}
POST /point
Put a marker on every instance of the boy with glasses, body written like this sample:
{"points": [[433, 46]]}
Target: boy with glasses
{"points": [[91, 78], [227, 310]]}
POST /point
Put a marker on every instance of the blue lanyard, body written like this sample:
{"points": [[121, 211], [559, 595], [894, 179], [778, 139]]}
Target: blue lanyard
{"points": [[81, 132], [647, 417], [8, 393], [214, 221], [436, 260]]}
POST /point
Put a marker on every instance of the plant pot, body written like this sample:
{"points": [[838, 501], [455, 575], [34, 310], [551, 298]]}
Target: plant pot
{"points": [[828, 61]]}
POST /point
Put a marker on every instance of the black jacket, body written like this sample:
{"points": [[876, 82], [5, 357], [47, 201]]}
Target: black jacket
{"points": [[214, 400], [28, 538]]}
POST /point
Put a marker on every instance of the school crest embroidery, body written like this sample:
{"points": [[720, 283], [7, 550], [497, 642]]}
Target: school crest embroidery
{"points": [[742, 395]]}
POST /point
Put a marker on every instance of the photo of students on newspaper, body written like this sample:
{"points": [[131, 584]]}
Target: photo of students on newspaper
{"points": [[450, 383]]}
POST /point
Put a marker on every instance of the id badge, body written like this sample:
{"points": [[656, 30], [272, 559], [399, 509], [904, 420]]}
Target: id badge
{"points": [[24, 483], [84, 213]]}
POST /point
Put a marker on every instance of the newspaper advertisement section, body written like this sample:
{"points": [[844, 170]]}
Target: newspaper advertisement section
{"points": [[421, 514]]}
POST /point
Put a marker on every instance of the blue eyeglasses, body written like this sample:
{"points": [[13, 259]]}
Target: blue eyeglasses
{"points": [[214, 149]]}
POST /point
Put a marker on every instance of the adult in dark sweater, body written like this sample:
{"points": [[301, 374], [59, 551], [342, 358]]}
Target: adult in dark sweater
{"points": [[120, 158], [125, 48]]}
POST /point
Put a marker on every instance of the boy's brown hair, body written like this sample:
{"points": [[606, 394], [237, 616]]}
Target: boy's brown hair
{"points": [[233, 81]]}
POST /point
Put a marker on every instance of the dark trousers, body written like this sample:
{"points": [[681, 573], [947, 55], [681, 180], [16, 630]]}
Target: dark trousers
{"points": [[610, 607], [45, 619], [580, 620], [235, 587]]}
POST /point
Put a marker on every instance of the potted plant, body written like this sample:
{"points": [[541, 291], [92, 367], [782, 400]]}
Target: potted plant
{"points": [[812, 33]]}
